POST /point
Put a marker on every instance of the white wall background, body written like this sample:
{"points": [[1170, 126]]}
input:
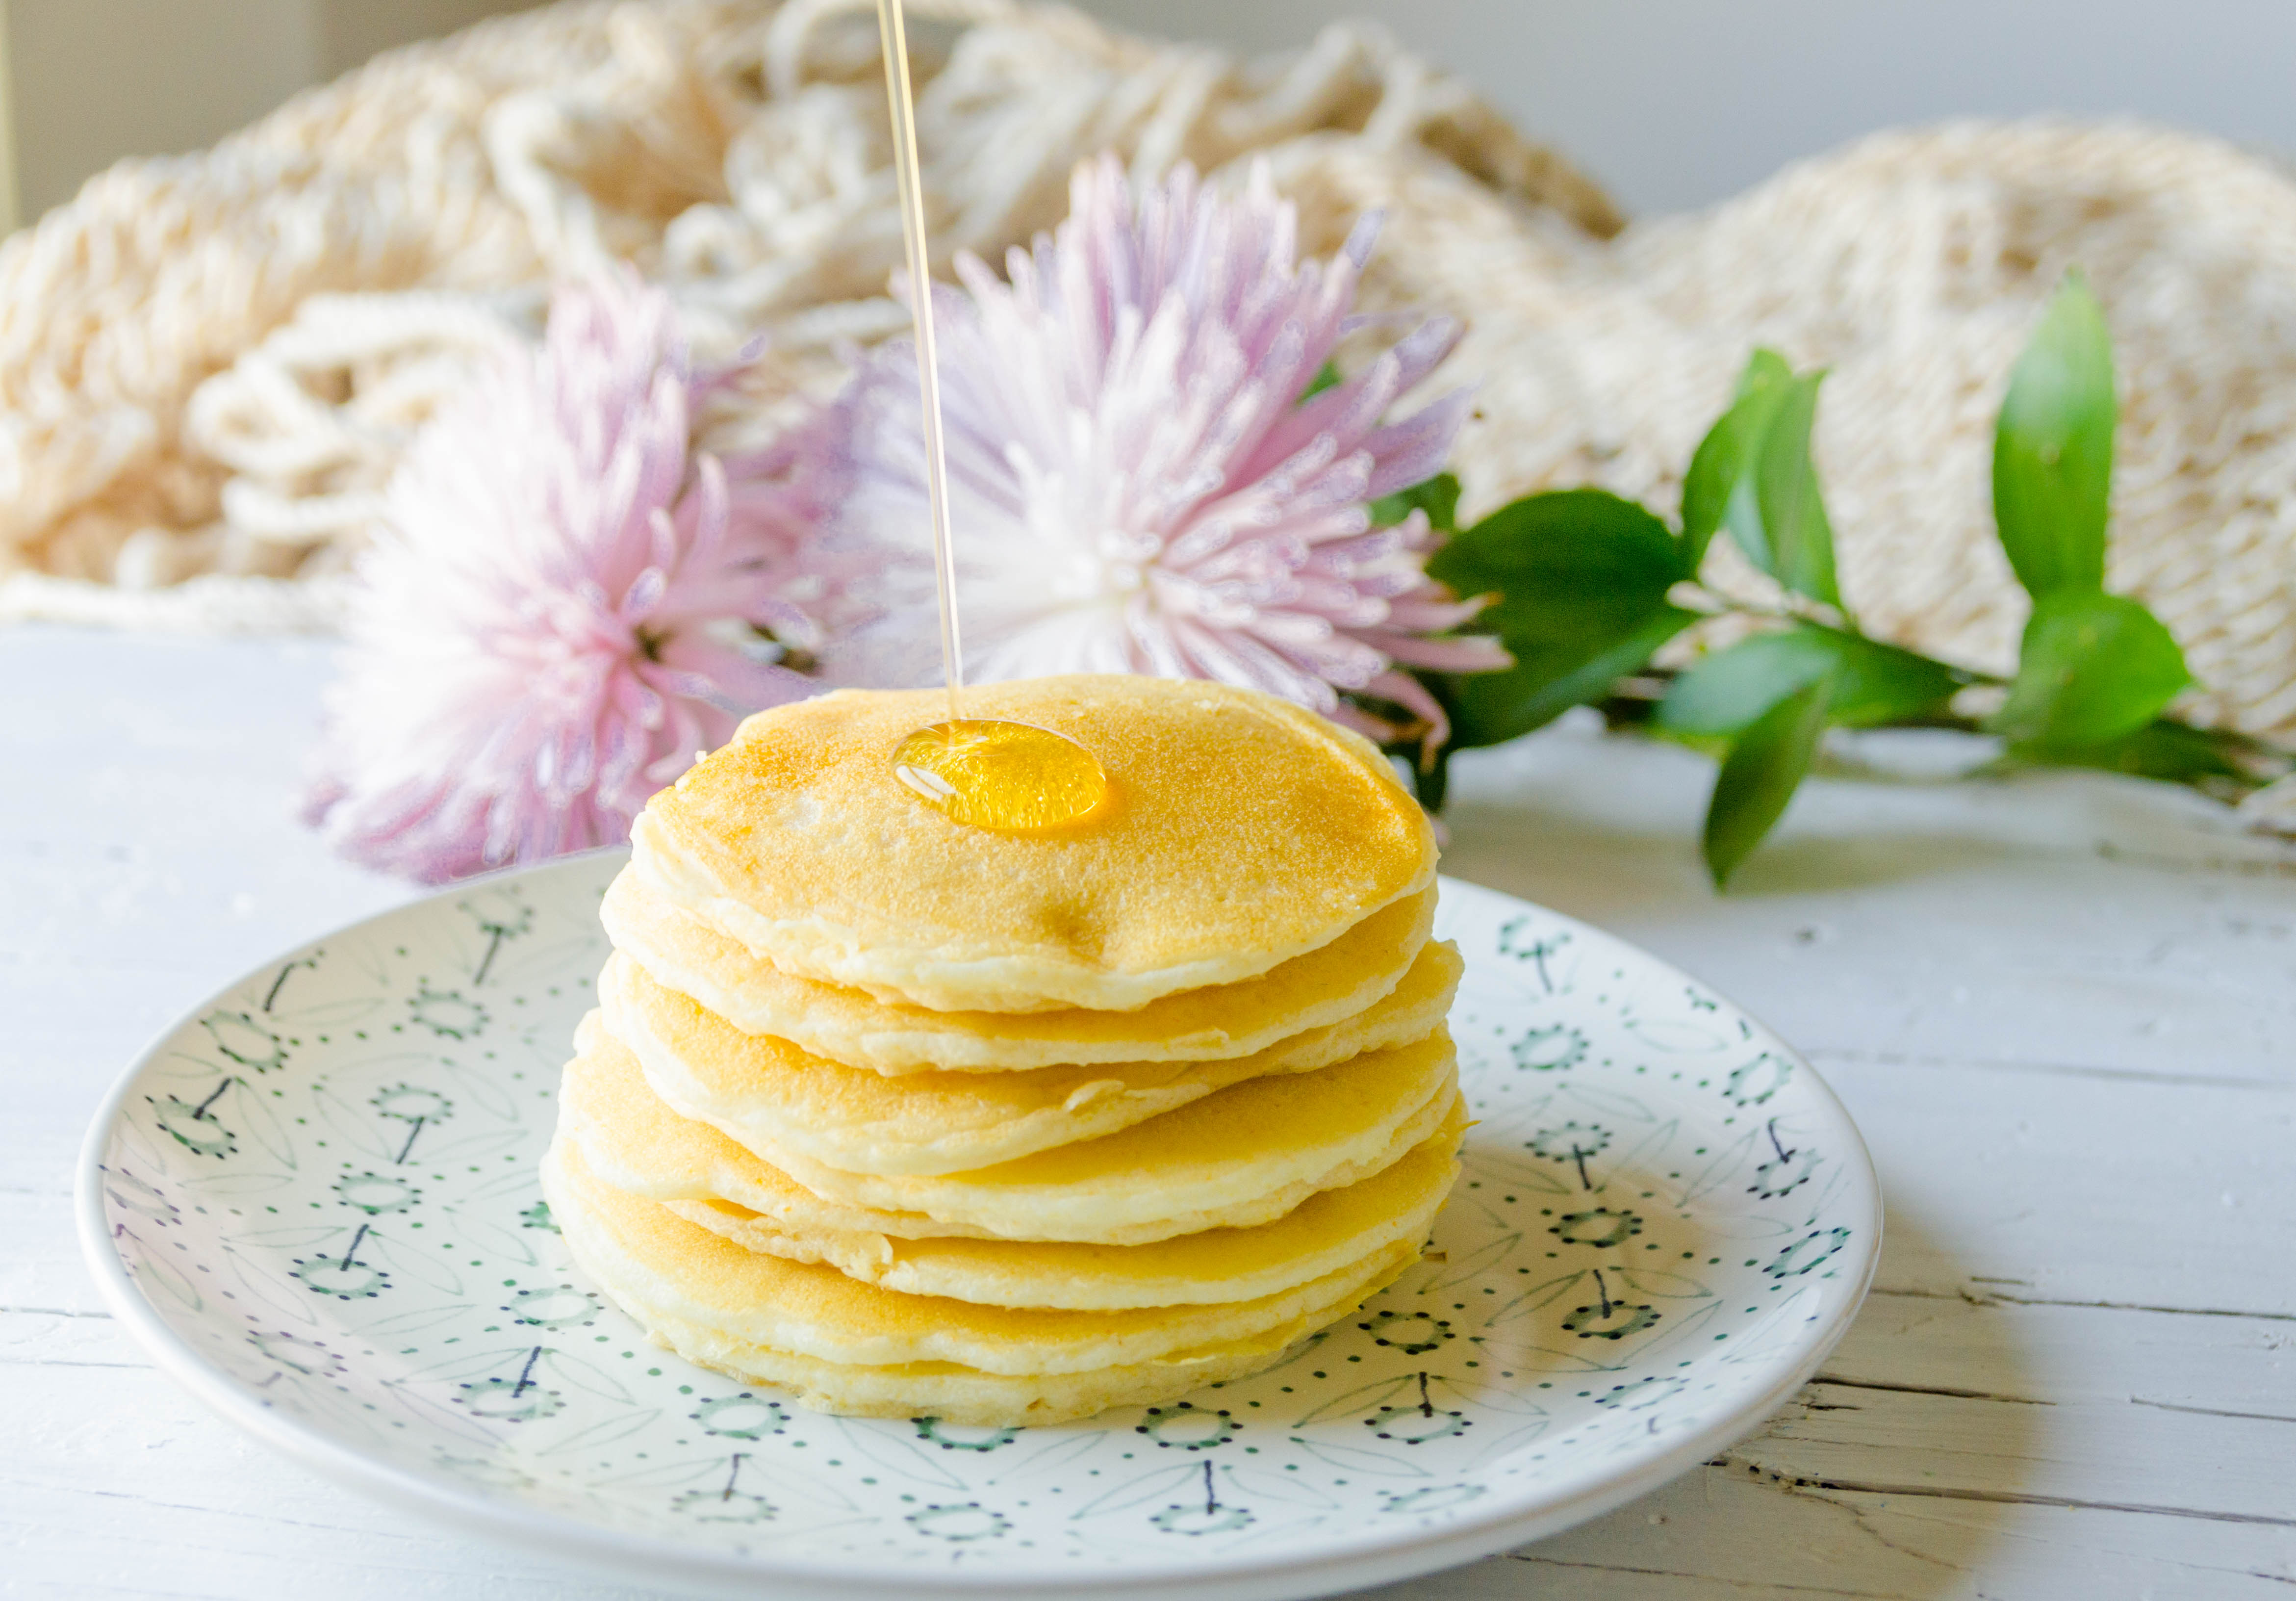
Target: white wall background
{"points": [[89, 81], [1676, 103], [1671, 103]]}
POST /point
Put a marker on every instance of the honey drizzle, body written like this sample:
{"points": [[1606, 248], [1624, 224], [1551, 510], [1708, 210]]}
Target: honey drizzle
{"points": [[893, 29], [986, 773]]}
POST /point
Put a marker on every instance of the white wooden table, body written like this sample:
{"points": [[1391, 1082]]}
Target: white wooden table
{"points": [[2061, 1009]]}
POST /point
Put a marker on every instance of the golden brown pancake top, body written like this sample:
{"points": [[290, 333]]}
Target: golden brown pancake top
{"points": [[1242, 832]]}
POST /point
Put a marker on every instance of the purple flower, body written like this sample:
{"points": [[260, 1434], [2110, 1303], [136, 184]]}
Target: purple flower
{"points": [[566, 606], [1135, 485]]}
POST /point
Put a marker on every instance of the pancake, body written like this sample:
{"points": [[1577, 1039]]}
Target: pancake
{"points": [[849, 1347], [1243, 1156], [1321, 1234], [1242, 831], [762, 1091], [953, 1394], [1309, 992], [634, 1142]]}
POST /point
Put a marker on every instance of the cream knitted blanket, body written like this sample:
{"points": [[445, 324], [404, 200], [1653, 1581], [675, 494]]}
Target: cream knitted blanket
{"points": [[209, 365]]}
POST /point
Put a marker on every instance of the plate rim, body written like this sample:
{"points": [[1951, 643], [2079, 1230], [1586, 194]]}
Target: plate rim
{"points": [[1249, 1577]]}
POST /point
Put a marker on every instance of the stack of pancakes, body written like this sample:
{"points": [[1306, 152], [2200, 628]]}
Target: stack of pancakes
{"points": [[910, 1117]]}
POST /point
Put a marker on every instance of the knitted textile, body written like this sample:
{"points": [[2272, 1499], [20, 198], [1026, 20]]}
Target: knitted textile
{"points": [[211, 364]]}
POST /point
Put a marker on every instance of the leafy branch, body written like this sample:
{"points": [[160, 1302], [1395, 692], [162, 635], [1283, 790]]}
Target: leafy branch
{"points": [[1585, 589]]}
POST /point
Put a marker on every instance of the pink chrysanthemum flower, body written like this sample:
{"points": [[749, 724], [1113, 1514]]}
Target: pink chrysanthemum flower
{"points": [[561, 610], [1136, 486]]}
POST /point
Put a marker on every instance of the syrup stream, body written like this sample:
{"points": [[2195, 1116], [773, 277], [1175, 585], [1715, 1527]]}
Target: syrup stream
{"points": [[893, 30], [986, 773]]}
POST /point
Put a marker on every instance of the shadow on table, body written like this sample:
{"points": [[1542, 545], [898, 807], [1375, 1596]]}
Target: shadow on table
{"points": [[1832, 1495], [1598, 868], [1608, 826]]}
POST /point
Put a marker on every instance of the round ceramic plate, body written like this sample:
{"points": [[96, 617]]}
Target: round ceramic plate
{"points": [[314, 1202]]}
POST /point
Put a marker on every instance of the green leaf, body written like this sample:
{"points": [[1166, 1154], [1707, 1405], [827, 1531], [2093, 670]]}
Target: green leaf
{"points": [[1549, 677], [2052, 448], [1753, 475], [1796, 536], [1725, 691], [2094, 668], [2174, 751], [1722, 469], [1765, 370], [1760, 775], [1327, 376], [1873, 683], [1580, 579], [1438, 497]]}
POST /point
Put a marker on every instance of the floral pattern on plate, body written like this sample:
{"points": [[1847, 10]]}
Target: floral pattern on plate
{"points": [[316, 1199]]}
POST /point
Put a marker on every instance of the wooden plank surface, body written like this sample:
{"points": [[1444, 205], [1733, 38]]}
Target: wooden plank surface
{"points": [[2059, 1009]]}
